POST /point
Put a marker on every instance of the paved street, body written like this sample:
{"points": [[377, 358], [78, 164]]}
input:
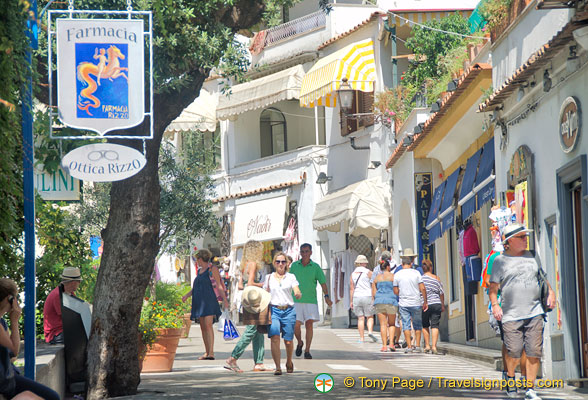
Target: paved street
{"points": [[336, 352]]}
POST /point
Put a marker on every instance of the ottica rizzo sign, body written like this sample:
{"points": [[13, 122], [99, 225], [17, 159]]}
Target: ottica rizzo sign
{"points": [[100, 73], [103, 162]]}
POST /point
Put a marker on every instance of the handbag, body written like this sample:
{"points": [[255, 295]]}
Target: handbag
{"points": [[543, 290], [221, 321], [7, 381]]}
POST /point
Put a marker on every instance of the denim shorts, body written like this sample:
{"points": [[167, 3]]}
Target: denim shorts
{"points": [[414, 313], [283, 322]]}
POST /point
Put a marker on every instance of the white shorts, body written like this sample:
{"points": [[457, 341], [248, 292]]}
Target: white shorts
{"points": [[306, 311]]}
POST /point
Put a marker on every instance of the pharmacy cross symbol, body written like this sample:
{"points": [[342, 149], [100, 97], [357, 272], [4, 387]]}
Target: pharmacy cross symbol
{"points": [[323, 383]]}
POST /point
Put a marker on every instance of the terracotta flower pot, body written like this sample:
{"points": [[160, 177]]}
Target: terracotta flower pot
{"points": [[160, 357], [187, 325]]}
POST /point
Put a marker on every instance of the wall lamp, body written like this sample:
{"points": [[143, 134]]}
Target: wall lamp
{"points": [[436, 106], [546, 81], [419, 128], [374, 164], [452, 85], [521, 92], [323, 178], [345, 94]]}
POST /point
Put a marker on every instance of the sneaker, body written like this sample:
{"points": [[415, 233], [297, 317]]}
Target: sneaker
{"points": [[417, 350], [504, 375], [511, 387], [409, 350], [531, 395], [404, 345], [397, 345], [307, 355], [374, 339]]}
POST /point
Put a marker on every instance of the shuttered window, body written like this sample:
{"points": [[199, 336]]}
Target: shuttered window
{"points": [[363, 103]]}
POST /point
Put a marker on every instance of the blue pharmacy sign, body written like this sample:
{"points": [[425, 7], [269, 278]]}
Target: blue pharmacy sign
{"points": [[423, 184]]}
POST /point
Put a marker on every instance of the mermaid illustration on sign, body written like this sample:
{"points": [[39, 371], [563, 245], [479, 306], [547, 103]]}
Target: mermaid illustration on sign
{"points": [[90, 76]]}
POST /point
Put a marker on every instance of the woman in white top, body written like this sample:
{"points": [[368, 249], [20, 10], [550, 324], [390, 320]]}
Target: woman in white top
{"points": [[281, 284], [360, 293]]}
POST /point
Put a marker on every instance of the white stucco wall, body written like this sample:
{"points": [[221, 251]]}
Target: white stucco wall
{"points": [[427, 4], [537, 27]]}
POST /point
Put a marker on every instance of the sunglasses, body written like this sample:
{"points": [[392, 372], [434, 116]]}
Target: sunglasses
{"points": [[281, 261], [11, 299]]}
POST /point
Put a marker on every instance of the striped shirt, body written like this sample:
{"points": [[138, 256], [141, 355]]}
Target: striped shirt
{"points": [[434, 289]]}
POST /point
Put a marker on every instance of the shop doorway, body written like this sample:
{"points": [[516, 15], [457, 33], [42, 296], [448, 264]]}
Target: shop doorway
{"points": [[576, 196]]}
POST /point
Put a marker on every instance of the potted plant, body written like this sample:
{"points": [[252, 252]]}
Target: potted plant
{"points": [[160, 329], [170, 295]]}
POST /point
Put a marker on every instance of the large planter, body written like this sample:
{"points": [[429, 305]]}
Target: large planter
{"points": [[187, 325], [160, 357]]}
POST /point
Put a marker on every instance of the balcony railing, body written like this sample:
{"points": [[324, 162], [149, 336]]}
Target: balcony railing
{"points": [[298, 26]]}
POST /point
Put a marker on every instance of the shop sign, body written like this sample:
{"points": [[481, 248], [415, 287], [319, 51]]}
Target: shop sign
{"points": [[56, 186], [260, 220], [423, 188], [569, 124], [100, 73], [103, 162]]}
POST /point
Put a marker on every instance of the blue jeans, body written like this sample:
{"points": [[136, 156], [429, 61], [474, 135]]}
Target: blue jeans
{"points": [[414, 313], [283, 322]]}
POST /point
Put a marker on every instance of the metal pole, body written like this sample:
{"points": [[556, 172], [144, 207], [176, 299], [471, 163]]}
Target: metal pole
{"points": [[29, 201]]}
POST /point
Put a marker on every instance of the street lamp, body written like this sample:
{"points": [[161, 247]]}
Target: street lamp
{"points": [[345, 94]]}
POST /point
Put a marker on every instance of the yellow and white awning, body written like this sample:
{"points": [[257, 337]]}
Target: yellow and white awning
{"points": [[354, 62]]}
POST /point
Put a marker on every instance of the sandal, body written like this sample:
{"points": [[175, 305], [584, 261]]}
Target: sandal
{"points": [[232, 367], [278, 372], [206, 357], [260, 368], [384, 349], [289, 368], [427, 351]]}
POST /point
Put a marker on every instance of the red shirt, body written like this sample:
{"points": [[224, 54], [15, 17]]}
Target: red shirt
{"points": [[470, 242], [52, 324]]}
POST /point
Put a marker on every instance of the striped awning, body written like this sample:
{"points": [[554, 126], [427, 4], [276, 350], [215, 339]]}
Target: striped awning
{"points": [[410, 17], [354, 62], [261, 92], [199, 116]]}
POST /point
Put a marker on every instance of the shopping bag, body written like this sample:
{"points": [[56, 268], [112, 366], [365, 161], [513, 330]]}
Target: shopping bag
{"points": [[230, 332], [221, 321]]}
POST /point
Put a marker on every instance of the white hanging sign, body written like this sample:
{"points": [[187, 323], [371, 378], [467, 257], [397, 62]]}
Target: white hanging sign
{"points": [[100, 73], [103, 162]]}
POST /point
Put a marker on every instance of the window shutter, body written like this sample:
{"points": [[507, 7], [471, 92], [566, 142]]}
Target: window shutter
{"points": [[366, 106]]}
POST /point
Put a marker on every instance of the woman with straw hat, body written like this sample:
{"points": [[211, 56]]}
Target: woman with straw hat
{"points": [[251, 267]]}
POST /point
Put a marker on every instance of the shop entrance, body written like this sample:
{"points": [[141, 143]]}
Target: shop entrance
{"points": [[576, 192]]}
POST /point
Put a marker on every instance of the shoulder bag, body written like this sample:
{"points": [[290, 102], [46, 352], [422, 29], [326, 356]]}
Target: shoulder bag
{"points": [[544, 289]]}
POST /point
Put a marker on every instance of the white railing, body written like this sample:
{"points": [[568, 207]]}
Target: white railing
{"points": [[298, 26]]}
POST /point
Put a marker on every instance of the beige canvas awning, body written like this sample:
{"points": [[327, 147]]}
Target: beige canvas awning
{"points": [[199, 116], [364, 206], [262, 92]]}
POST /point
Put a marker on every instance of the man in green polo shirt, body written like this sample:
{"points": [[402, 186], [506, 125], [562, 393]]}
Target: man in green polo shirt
{"points": [[307, 273]]}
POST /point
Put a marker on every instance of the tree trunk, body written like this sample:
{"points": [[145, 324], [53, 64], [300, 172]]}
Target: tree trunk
{"points": [[131, 244]]}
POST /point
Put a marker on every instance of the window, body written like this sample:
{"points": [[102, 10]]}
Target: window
{"points": [[211, 142], [363, 102], [272, 127]]}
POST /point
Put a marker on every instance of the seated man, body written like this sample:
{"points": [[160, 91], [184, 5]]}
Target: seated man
{"points": [[52, 324]]}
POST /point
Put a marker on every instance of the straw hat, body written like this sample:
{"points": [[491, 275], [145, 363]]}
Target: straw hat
{"points": [[255, 299], [512, 230], [408, 252], [71, 274], [361, 259]]}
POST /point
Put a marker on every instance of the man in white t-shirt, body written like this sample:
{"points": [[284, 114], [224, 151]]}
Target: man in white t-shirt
{"points": [[412, 299]]}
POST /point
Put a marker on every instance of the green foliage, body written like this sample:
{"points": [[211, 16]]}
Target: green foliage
{"points": [[63, 246], [186, 186], [429, 45], [170, 295], [13, 44], [495, 12]]}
